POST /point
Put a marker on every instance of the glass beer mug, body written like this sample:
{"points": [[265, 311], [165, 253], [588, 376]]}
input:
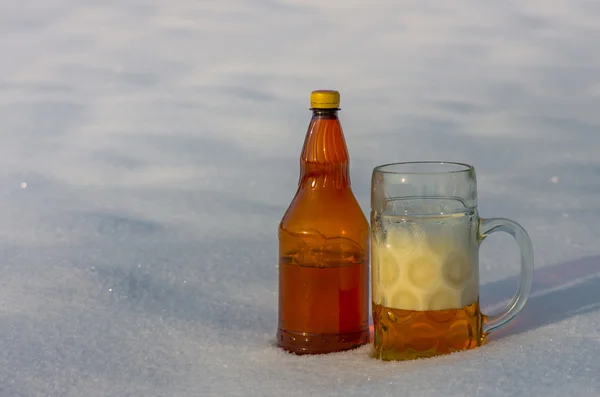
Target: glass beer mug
{"points": [[425, 238]]}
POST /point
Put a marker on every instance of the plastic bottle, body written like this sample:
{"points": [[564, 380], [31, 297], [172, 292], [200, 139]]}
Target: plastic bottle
{"points": [[323, 245]]}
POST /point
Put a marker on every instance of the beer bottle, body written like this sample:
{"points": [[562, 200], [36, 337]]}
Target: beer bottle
{"points": [[323, 245]]}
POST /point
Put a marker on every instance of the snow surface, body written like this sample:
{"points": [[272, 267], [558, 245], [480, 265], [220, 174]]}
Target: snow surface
{"points": [[150, 148]]}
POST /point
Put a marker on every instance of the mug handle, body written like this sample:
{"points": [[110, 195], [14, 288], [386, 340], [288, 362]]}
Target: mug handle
{"points": [[487, 227]]}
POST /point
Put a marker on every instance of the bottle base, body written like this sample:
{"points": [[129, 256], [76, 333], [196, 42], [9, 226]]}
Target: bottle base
{"points": [[302, 343]]}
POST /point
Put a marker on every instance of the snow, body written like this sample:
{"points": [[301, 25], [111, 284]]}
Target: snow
{"points": [[149, 150]]}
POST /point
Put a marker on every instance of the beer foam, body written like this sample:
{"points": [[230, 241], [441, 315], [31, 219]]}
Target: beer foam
{"points": [[423, 271]]}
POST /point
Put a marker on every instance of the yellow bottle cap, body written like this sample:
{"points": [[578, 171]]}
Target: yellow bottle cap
{"points": [[324, 99]]}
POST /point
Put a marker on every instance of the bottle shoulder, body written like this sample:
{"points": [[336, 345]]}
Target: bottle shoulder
{"points": [[332, 212]]}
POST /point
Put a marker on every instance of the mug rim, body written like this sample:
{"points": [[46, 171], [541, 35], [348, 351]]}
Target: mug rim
{"points": [[464, 167]]}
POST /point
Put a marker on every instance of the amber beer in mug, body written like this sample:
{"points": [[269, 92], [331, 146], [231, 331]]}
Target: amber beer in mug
{"points": [[425, 238]]}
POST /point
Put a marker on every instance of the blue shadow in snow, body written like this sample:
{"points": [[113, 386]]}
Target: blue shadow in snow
{"points": [[558, 292]]}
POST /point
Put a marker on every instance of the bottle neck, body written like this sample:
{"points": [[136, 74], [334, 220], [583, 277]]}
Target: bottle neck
{"points": [[324, 161]]}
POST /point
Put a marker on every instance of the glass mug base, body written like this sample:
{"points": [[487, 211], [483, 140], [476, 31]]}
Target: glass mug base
{"points": [[411, 334]]}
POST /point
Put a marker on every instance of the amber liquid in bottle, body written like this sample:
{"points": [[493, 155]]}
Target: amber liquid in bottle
{"points": [[323, 250]]}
